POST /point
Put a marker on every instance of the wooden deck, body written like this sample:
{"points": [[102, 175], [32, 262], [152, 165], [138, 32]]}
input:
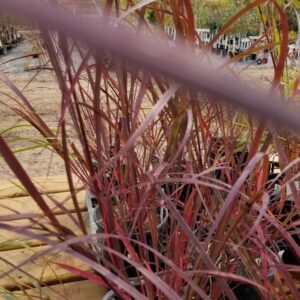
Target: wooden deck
{"points": [[57, 282]]}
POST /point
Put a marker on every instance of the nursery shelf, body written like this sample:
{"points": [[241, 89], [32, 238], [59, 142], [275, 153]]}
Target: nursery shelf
{"points": [[58, 283]]}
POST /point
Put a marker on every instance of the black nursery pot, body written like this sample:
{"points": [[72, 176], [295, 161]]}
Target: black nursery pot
{"points": [[130, 270], [289, 256], [216, 149], [244, 291], [3, 51], [111, 295]]}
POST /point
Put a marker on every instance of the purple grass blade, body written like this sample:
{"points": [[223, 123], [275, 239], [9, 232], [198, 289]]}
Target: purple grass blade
{"points": [[153, 56]]}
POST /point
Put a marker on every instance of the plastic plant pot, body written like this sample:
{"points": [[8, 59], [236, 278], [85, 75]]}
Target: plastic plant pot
{"points": [[244, 291], [130, 270], [289, 256], [3, 51], [96, 226], [111, 295]]}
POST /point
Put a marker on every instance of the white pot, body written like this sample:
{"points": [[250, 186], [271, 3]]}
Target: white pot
{"points": [[95, 218]]}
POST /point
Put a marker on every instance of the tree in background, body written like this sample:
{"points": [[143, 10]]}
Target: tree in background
{"points": [[213, 14]]}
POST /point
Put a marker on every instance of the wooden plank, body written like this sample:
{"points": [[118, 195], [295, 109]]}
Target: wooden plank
{"points": [[43, 269], [10, 240], [26, 205], [32, 52], [53, 184], [78, 290], [29, 32]]}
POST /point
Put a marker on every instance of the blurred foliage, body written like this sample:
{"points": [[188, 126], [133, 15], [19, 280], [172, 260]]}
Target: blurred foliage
{"points": [[151, 16], [213, 14]]}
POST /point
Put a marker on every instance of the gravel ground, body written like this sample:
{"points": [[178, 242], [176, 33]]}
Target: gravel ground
{"points": [[44, 95]]}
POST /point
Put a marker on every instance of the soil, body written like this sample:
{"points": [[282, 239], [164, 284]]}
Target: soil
{"points": [[42, 91]]}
